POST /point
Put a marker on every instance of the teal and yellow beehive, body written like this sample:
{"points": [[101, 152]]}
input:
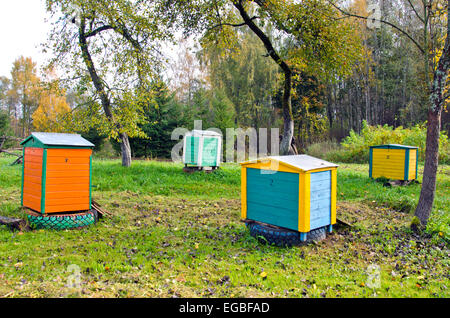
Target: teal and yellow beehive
{"points": [[293, 192], [396, 162], [202, 148]]}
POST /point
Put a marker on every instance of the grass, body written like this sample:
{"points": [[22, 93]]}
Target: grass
{"points": [[178, 235]]}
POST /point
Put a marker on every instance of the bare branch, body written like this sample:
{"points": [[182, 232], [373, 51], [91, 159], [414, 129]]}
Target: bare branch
{"points": [[231, 24], [415, 11], [348, 14], [98, 30]]}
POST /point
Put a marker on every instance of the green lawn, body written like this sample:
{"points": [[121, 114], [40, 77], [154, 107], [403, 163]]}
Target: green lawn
{"points": [[178, 234]]}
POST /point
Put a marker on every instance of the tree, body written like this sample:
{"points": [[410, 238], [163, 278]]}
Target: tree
{"points": [[434, 45], [25, 88], [188, 74], [51, 110], [115, 43], [222, 110], [4, 88], [308, 105], [5, 129], [162, 115], [247, 78], [323, 43]]}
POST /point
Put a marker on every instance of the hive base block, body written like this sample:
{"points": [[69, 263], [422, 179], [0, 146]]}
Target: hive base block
{"points": [[62, 221], [278, 236], [192, 169]]}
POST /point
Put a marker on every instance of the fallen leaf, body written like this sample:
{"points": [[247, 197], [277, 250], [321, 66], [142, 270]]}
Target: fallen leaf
{"points": [[181, 279]]}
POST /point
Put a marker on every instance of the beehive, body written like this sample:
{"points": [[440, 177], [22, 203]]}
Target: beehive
{"points": [[202, 148], [397, 162], [56, 174], [293, 192]]}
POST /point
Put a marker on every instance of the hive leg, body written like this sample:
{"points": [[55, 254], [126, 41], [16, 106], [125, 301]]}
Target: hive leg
{"points": [[330, 228], [303, 237]]}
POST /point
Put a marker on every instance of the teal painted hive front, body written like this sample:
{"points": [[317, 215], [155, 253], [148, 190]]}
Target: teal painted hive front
{"points": [[202, 148], [273, 198]]}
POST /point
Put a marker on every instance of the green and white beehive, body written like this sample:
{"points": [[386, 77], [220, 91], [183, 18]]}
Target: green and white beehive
{"points": [[202, 148]]}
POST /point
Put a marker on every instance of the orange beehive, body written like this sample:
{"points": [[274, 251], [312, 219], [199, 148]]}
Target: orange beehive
{"points": [[56, 173]]}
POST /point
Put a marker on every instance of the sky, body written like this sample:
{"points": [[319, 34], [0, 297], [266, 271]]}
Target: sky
{"points": [[23, 28]]}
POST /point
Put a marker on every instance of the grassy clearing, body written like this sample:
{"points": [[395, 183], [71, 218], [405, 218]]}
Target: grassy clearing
{"points": [[179, 235]]}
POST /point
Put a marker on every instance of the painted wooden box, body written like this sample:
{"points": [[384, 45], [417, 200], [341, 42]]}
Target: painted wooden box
{"points": [[293, 192], [397, 162], [56, 173], [202, 148]]}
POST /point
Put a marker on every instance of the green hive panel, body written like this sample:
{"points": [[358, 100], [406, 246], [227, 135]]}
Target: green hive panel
{"points": [[191, 151], [272, 198], [209, 153]]}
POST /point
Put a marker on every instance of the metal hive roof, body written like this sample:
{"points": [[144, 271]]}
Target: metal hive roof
{"points": [[59, 139], [196, 132], [301, 162], [395, 146]]}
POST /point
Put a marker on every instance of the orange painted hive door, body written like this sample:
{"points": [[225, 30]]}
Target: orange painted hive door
{"points": [[67, 180], [32, 178]]}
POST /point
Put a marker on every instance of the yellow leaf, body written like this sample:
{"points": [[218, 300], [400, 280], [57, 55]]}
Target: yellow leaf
{"points": [[18, 265], [263, 275], [181, 279]]}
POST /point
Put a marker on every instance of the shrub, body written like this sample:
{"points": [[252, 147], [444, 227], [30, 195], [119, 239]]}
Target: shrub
{"points": [[356, 146]]}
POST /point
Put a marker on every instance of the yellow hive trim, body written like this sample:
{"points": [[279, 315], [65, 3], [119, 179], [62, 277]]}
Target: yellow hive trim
{"points": [[273, 165], [412, 164], [304, 202], [296, 164], [243, 193], [333, 195]]}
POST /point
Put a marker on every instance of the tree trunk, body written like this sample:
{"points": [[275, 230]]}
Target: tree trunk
{"points": [[288, 131], [104, 98], [437, 100], [126, 150], [428, 191], [288, 127]]}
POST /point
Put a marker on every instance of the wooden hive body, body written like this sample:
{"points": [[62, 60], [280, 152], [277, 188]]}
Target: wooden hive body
{"points": [[293, 192], [56, 174], [202, 148], [397, 162]]}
